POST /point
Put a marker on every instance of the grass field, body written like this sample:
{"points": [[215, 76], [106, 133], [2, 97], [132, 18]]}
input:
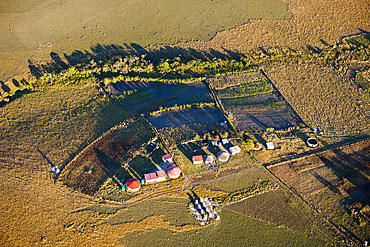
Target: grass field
{"points": [[239, 181], [173, 210], [233, 229], [331, 182], [281, 208], [59, 122], [322, 97], [32, 30]]}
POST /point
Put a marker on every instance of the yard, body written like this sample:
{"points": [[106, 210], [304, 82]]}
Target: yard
{"points": [[107, 157]]}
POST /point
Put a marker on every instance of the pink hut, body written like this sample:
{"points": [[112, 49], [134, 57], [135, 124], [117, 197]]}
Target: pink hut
{"points": [[173, 172]]}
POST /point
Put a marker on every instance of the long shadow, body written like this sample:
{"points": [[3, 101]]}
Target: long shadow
{"points": [[347, 166], [44, 156], [260, 139], [100, 53], [325, 182], [301, 135]]}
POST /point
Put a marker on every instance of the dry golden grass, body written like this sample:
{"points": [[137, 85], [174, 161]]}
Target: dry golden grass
{"points": [[321, 97], [312, 22]]}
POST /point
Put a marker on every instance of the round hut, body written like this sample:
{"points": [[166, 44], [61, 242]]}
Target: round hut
{"points": [[223, 156], [257, 146], [173, 172], [133, 185]]}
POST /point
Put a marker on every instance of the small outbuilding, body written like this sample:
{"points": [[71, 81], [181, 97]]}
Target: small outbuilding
{"points": [[133, 185], [167, 158], [173, 172], [270, 146], [234, 150], [197, 159], [223, 156], [208, 158]]}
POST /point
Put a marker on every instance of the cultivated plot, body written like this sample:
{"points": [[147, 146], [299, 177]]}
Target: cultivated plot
{"points": [[150, 96], [107, 157], [252, 103]]}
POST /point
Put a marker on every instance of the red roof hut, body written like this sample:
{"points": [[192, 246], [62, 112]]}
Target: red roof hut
{"points": [[133, 185]]}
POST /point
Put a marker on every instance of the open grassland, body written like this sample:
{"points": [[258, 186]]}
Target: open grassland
{"points": [[34, 29], [232, 230], [252, 103], [239, 181], [323, 98], [281, 208], [59, 123], [38, 130], [111, 155], [173, 210], [331, 182]]}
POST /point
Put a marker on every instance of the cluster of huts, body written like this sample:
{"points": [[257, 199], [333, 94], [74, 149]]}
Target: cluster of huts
{"points": [[203, 211], [226, 149], [173, 172]]}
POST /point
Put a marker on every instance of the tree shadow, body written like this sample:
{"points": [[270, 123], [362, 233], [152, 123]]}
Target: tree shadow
{"points": [[100, 53], [301, 135], [260, 139]]}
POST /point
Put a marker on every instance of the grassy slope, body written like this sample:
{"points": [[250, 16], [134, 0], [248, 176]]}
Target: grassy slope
{"points": [[232, 230], [59, 122], [34, 210]]}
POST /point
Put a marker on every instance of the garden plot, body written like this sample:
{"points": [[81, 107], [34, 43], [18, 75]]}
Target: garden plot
{"points": [[183, 125], [252, 103], [106, 157], [149, 96], [174, 119]]}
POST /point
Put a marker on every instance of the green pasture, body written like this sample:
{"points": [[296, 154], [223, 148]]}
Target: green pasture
{"points": [[33, 29]]}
